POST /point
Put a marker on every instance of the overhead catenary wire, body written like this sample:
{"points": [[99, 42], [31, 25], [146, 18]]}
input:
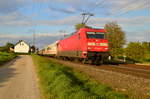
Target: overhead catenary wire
{"points": [[98, 4], [120, 12], [132, 9]]}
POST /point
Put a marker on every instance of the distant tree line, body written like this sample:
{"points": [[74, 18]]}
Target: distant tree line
{"points": [[138, 51]]}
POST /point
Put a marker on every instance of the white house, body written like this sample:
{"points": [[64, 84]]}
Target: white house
{"points": [[21, 47]]}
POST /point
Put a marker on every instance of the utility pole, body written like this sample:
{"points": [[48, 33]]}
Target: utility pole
{"points": [[33, 48], [33, 35], [86, 17], [34, 38]]}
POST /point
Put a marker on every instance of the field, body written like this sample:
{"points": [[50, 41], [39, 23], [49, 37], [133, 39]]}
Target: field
{"points": [[60, 82], [5, 57]]}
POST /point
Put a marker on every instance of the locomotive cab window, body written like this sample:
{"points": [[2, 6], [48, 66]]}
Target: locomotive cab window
{"points": [[97, 35], [48, 48]]}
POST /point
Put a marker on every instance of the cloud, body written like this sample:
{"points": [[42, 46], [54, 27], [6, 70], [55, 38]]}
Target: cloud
{"points": [[22, 21], [18, 19], [8, 6], [127, 22], [113, 7], [11, 15], [51, 34], [70, 6], [124, 6], [138, 35], [42, 39], [15, 19], [67, 11], [72, 20]]}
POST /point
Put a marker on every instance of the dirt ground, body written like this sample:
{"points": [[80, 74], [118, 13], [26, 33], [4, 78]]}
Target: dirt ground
{"points": [[18, 79]]}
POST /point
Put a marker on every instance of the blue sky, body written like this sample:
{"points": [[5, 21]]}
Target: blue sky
{"points": [[48, 18]]}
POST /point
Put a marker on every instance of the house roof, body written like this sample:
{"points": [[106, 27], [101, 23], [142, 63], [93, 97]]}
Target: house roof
{"points": [[21, 41]]}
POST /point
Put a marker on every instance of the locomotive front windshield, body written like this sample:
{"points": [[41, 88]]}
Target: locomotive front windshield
{"points": [[96, 35]]}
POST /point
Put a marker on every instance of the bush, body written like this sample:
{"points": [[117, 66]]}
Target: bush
{"points": [[135, 51], [5, 57]]}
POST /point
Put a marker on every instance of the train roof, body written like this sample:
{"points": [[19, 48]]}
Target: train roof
{"points": [[92, 29]]}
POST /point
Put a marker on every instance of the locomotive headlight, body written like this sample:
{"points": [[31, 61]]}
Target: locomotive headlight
{"points": [[91, 44], [89, 48], [103, 44]]}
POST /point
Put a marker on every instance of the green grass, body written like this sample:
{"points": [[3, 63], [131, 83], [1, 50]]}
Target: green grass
{"points": [[146, 58], [5, 57], [60, 82]]}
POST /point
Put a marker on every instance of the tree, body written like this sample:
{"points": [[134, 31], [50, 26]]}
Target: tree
{"points": [[146, 46], [81, 25], [78, 26], [116, 38], [9, 45], [135, 51], [32, 49], [6, 47]]}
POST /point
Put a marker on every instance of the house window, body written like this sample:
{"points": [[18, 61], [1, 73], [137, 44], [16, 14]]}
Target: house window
{"points": [[21, 44]]}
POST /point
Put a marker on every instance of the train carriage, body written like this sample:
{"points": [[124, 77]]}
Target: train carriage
{"points": [[86, 44], [50, 50]]}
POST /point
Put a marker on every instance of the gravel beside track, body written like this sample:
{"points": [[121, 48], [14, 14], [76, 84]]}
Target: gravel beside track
{"points": [[146, 67], [125, 69], [125, 78]]}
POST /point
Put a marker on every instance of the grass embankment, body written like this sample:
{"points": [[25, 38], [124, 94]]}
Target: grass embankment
{"points": [[60, 82], [5, 57]]}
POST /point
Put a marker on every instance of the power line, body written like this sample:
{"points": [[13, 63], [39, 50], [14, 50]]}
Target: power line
{"points": [[97, 5], [119, 12], [33, 35]]}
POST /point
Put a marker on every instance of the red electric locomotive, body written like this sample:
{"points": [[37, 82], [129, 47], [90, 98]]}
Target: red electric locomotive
{"points": [[87, 44]]}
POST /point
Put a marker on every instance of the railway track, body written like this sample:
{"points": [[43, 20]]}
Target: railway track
{"points": [[129, 69]]}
